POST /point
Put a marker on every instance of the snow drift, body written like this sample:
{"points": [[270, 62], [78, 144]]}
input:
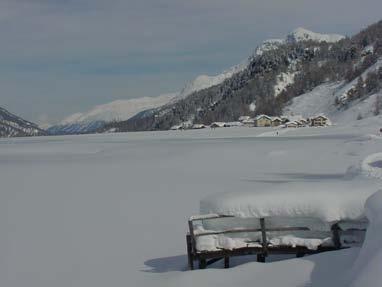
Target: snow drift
{"points": [[367, 268]]}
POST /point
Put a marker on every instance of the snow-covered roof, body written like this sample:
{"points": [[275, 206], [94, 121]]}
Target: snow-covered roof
{"points": [[263, 116], [218, 124], [244, 118], [198, 126], [328, 201], [320, 116]]}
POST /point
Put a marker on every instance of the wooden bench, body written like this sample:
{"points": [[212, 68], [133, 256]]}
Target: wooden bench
{"points": [[261, 248]]}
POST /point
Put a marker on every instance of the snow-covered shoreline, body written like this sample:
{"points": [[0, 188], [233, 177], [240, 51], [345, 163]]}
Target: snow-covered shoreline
{"points": [[97, 210]]}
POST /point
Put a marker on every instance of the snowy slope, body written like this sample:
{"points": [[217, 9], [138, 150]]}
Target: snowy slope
{"points": [[13, 126], [321, 100], [114, 111], [204, 81], [104, 213], [268, 45], [301, 34]]}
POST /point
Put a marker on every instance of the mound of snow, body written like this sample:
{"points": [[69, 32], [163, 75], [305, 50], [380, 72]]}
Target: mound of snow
{"points": [[301, 34], [367, 268], [372, 166], [328, 201]]}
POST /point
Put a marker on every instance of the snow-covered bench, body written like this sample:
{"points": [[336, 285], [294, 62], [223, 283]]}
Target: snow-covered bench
{"points": [[213, 237]]}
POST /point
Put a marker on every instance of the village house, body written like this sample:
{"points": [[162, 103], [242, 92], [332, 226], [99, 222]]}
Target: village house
{"points": [[319, 121], [248, 122], [291, 125], [233, 124], [276, 121], [263, 121]]}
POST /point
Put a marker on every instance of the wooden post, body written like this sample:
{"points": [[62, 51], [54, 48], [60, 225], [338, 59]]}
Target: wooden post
{"points": [[226, 262], [260, 257], [300, 254], [336, 235], [189, 252], [202, 263], [264, 237]]}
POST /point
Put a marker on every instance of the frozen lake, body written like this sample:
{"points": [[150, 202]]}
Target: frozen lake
{"points": [[111, 210]]}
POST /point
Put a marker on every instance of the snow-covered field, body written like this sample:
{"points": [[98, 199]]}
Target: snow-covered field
{"points": [[111, 210]]}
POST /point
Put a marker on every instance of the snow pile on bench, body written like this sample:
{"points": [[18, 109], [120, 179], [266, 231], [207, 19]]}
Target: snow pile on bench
{"points": [[328, 201]]}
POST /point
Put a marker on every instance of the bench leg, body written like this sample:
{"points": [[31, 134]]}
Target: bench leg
{"points": [[226, 262], [260, 257], [202, 263], [300, 254], [189, 253]]}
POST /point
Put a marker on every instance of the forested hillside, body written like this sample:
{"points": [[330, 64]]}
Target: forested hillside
{"points": [[274, 77]]}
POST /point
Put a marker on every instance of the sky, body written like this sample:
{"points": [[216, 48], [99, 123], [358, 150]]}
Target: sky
{"points": [[59, 57]]}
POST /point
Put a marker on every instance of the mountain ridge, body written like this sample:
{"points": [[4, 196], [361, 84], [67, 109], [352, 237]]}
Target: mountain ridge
{"points": [[14, 126], [284, 69]]}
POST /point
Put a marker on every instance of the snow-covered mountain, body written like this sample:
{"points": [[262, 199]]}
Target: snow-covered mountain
{"points": [[14, 126], [323, 98], [307, 64], [301, 34], [268, 45], [118, 110], [204, 81], [121, 110]]}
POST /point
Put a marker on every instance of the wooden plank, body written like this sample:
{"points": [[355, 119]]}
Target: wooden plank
{"points": [[202, 263], [193, 241], [240, 230], [208, 218], [226, 262]]}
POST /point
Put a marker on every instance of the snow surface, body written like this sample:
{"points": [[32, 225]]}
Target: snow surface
{"points": [[112, 209], [329, 201], [367, 268], [321, 100], [301, 34]]}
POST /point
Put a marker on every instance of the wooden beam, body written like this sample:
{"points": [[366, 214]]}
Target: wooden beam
{"points": [[193, 242], [190, 256], [336, 235], [240, 230]]}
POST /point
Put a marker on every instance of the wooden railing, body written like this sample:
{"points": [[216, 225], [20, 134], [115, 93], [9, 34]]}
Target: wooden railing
{"points": [[261, 252]]}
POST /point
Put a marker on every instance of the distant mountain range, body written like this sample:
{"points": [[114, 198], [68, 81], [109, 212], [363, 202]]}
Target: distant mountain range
{"points": [[304, 73], [122, 110], [14, 126]]}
